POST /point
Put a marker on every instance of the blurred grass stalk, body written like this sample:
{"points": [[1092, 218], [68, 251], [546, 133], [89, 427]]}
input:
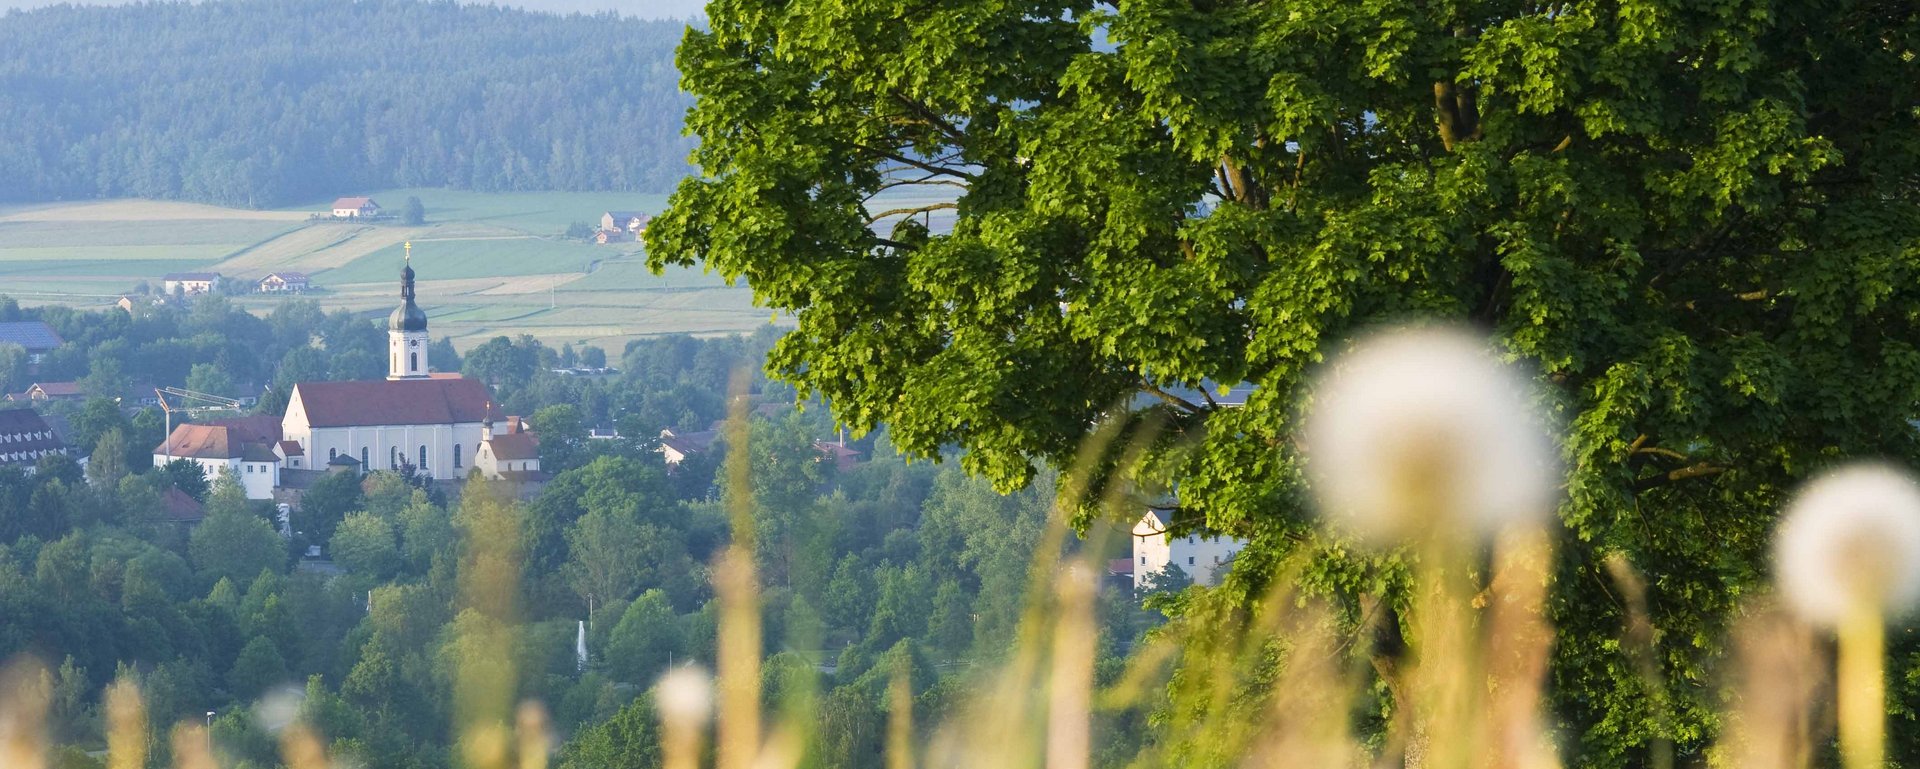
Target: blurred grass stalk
{"points": [[1278, 683]]}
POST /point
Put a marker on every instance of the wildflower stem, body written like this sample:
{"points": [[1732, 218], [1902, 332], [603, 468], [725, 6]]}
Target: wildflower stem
{"points": [[1862, 689]]}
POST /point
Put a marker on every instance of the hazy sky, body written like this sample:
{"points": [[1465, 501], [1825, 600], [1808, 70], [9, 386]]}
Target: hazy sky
{"points": [[646, 9]]}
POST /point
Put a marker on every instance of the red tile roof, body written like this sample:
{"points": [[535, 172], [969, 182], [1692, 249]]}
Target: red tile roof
{"points": [[292, 449], [1119, 566], [515, 446], [259, 428], [199, 442], [57, 389], [354, 203], [405, 402]]}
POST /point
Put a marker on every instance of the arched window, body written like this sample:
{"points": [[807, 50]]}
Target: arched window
{"points": [[393, 458], [414, 358], [331, 453], [423, 457], [363, 459], [456, 456]]}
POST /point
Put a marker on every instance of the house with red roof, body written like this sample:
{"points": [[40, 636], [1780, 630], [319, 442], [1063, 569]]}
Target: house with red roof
{"points": [[354, 208], [244, 447]]}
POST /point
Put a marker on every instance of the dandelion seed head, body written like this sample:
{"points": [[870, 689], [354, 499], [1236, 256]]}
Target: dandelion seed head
{"points": [[685, 695], [1421, 423], [1850, 538]]}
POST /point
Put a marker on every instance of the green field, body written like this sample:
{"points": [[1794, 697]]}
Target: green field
{"points": [[454, 259], [489, 264], [631, 274], [536, 213], [110, 240]]}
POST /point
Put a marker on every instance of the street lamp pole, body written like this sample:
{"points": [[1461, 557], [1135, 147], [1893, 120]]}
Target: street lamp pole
{"points": [[209, 734]]}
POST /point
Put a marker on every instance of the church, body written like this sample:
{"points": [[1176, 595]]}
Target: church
{"points": [[437, 424]]}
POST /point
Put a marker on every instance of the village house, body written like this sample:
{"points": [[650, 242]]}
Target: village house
{"points": [[25, 437], [632, 222], [675, 447], [1201, 556], [604, 237], [355, 208], [245, 446], [513, 454], [190, 283], [284, 282], [36, 336], [47, 392]]}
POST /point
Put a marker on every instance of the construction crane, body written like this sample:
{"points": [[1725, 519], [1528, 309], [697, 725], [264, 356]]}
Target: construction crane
{"points": [[187, 396]]}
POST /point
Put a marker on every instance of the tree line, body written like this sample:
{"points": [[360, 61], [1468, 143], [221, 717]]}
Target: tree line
{"points": [[261, 104]]}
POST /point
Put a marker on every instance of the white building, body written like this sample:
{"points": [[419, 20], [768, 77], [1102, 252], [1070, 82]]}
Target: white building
{"points": [[354, 208], [190, 283], [1201, 556], [510, 454], [435, 424], [223, 447]]}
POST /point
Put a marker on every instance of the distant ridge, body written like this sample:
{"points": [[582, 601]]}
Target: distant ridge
{"points": [[269, 102]]}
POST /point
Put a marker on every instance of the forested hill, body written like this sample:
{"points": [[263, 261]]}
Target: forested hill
{"points": [[272, 102]]}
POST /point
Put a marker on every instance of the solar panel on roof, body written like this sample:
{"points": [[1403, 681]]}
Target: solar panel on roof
{"points": [[31, 334]]}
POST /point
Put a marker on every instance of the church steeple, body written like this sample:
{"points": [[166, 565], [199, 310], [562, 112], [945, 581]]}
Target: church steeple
{"points": [[407, 330]]}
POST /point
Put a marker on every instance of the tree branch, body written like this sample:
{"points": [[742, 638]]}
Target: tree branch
{"points": [[1171, 399], [912, 211], [933, 118], [1697, 470], [928, 167]]}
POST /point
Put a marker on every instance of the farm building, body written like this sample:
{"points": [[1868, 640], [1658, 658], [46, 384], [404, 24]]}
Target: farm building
{"points": [[34, 335], [284, 282], [219, 447], [354, 208], [190, 283], [25, 437], [45, 392], [632, 222], [604, 237], [1201, 556]]}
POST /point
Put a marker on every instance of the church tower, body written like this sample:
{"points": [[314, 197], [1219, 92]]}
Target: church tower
{"points": [[407, 331]]}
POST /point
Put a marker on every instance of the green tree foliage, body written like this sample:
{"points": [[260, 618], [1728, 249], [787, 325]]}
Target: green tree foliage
{"points": [[108, 462], [232, 541], [325, 504], [646, 641], [413, 214], [188, 476], [13, 367], [593, 104], [258, 667], [562, 436], [1695, 220], [628, 740], [209, 378], [364, 544]]}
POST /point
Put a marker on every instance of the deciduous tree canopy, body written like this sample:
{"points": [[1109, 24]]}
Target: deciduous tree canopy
{"points": [[1696, 219]]}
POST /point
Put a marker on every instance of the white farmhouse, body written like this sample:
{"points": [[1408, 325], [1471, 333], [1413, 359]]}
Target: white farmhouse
{"points": [[1201, 556], [354, 208], [219, 448], [513, 454], [190, 283]]}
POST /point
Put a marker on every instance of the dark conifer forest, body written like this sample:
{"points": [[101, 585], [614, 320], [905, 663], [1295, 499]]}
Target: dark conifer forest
{"points": [[283, 101]]}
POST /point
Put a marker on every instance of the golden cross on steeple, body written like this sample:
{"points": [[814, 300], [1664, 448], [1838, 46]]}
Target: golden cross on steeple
{"points": [[409, 252]]}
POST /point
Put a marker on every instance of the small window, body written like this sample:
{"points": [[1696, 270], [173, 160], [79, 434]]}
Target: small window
{"points": [[423, 457], [331, 454], [1189, 560], [415, 360], [363, 457], [456, 456]]}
